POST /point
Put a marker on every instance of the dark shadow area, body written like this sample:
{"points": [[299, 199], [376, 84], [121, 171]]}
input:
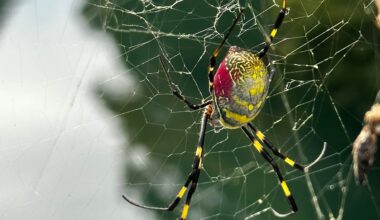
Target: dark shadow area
{"points": [[5, 10]]}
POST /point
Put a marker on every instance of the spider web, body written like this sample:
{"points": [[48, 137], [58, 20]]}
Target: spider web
{"points": [[325, 75]]}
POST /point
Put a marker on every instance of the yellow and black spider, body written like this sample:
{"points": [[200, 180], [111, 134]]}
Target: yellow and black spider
{"points": [[238, 89]]}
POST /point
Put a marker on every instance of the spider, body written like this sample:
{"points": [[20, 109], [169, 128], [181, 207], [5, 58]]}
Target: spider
{"points": [[238, 89]]}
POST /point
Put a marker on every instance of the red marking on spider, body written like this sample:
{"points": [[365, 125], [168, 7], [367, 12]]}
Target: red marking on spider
{"points": [[222, 81]]}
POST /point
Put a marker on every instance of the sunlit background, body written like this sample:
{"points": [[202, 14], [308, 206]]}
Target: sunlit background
{"points": [[87, 115], [61, 150]]}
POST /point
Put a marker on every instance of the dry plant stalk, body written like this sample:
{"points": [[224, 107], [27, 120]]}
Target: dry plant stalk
{"points": [[365, 146], [377, 3]]}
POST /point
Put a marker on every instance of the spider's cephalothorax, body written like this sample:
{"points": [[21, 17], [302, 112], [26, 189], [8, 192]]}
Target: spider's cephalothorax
{"points": [[240, 88]]}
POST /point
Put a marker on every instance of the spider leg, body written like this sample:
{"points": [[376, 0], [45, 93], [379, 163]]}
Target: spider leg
{"points": [[193, 187], [259, 135], [197, 163], [276, 26], [211, 67], [259, 147], [192, 178], [175, 201], [178, 93]]}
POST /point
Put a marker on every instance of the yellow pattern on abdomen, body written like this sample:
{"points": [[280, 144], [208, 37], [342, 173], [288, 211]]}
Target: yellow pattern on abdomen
{"points": [[249, 90]]}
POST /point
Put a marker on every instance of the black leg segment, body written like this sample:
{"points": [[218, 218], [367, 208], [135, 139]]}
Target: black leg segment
{"points": [[259, 147]]}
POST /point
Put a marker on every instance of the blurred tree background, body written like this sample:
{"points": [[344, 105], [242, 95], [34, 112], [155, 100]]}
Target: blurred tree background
{"points": [[4, 9], [326, 74]]}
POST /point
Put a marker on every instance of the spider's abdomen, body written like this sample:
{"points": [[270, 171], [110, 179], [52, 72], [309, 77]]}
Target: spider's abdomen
{"points": [[240, 88]]}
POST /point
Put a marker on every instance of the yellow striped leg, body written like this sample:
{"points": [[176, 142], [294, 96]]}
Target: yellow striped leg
{"points": [[192, 189], [172, 205], [192, 178], [259, 147], [259, 135], [197, 164], [276, 26]]}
